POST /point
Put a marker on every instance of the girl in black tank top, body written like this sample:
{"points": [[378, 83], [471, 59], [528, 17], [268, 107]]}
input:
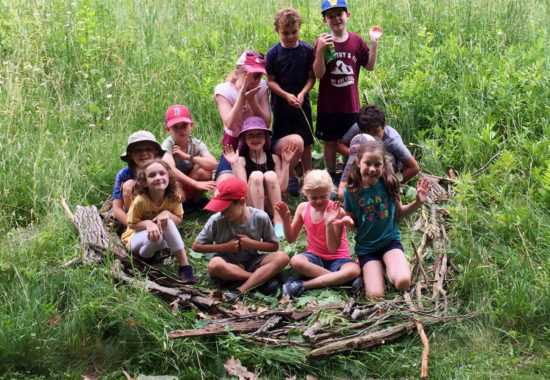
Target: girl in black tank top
{"points": [[265, 173]]}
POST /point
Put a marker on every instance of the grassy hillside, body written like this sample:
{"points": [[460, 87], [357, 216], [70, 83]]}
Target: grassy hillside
{"points": [[464, 80]]}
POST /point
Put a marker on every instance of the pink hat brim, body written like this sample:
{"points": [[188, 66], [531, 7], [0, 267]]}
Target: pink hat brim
{"points": [[179, 120], [254, 69]]}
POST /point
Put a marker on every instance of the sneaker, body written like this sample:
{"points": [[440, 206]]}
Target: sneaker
{"points": [[231, 296], [186, 274], [269, 287], [293, 186], [357, 285], [279, 231], [293, 288]]}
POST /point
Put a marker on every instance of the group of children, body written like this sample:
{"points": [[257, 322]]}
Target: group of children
{"points": [[258, 165]]}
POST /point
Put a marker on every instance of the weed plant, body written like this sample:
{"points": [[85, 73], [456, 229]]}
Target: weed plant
{"points": [[462, 79]]}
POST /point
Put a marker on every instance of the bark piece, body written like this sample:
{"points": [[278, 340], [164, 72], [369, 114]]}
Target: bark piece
{"points": [[370, 340]]}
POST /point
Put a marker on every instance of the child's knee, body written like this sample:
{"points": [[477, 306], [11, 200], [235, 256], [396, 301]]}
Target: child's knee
{"points": [[201, 174], [128, 187], [271, 178], [281, 258], [216, 265], [256, 178], [297, 262], [374, 292], [402, 283]]}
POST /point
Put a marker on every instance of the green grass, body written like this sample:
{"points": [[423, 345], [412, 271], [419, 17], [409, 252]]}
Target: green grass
{"points": [[461, 79]]}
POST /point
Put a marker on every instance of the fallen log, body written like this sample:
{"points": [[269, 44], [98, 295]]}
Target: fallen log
{"points": [[377, 338]]}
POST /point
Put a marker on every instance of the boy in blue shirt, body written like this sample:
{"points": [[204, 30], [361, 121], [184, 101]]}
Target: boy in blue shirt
{"points": [[290, 77]]}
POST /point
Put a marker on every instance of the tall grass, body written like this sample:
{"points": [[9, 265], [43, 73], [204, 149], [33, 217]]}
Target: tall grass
{"points": [[462, 79]]}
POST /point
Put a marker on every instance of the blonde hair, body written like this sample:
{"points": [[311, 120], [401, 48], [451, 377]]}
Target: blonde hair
{"points": [[286, 17], [317, 179]]}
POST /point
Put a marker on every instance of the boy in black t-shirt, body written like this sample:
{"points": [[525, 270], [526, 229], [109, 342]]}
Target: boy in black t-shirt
{"points": [[290, 78]]}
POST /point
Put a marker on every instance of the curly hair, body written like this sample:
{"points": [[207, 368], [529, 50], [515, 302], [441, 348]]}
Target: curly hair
{"points": [[355, 180], [286, 17], [173, 191], [317, 179], [370, 118]]}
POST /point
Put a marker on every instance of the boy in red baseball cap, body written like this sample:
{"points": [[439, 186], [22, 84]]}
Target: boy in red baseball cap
{"points": [[188, 156], [235, 234]]}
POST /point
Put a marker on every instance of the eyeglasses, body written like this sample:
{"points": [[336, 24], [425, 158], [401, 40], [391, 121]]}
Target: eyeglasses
{"points": [[252, 53]]}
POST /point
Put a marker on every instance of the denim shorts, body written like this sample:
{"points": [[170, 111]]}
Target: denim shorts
{"points": [[223, 167], [377, 255], [331, 265]]}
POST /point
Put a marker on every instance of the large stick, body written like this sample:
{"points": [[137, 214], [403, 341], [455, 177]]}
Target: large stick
{"points": [[423, 337], [371, 340]]}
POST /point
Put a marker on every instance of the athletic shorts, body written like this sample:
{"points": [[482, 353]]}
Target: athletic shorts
{"points": [[333, 126], [285, 124], [377, 255]]}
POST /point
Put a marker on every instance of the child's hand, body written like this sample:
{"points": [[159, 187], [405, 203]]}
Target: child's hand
{"points": [[177, 151], [231, 155], [324, 40], [288, 152], [422, 190], [205, 185], [162, 220], [153, 232], [232, 246], [246, 242], [375, 33], [332, 213], [292, 100], [300, 98], [249, 93], [282, 209]]}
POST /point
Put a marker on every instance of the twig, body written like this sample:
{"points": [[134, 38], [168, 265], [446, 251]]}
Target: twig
{"points": [[486, 165], [67, 209]]}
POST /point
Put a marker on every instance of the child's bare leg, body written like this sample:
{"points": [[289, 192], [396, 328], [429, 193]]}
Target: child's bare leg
{"points": [[223, 270], [127, 196], [296, 140], [199, 174], [256, 194], [307, 161], [329, 151], [273, 193], [269, 268], [373, 278], [346, 273], [302, 265], [397, 268]]}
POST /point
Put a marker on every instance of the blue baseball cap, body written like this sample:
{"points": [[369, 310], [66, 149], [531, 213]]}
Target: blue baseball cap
{"points": [[329, 4]]}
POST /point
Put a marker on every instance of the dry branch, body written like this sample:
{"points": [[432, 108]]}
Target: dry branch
{"points": [[423, 337], [371, 340]]}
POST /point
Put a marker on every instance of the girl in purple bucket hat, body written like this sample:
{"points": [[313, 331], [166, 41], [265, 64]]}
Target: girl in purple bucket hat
{"points": [[265, 173]]}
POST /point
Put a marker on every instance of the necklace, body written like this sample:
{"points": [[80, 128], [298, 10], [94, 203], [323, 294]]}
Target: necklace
{"points": [[260, 167]]}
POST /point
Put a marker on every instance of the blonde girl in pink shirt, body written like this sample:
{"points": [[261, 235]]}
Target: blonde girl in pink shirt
{"points": [[322, 267]]}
